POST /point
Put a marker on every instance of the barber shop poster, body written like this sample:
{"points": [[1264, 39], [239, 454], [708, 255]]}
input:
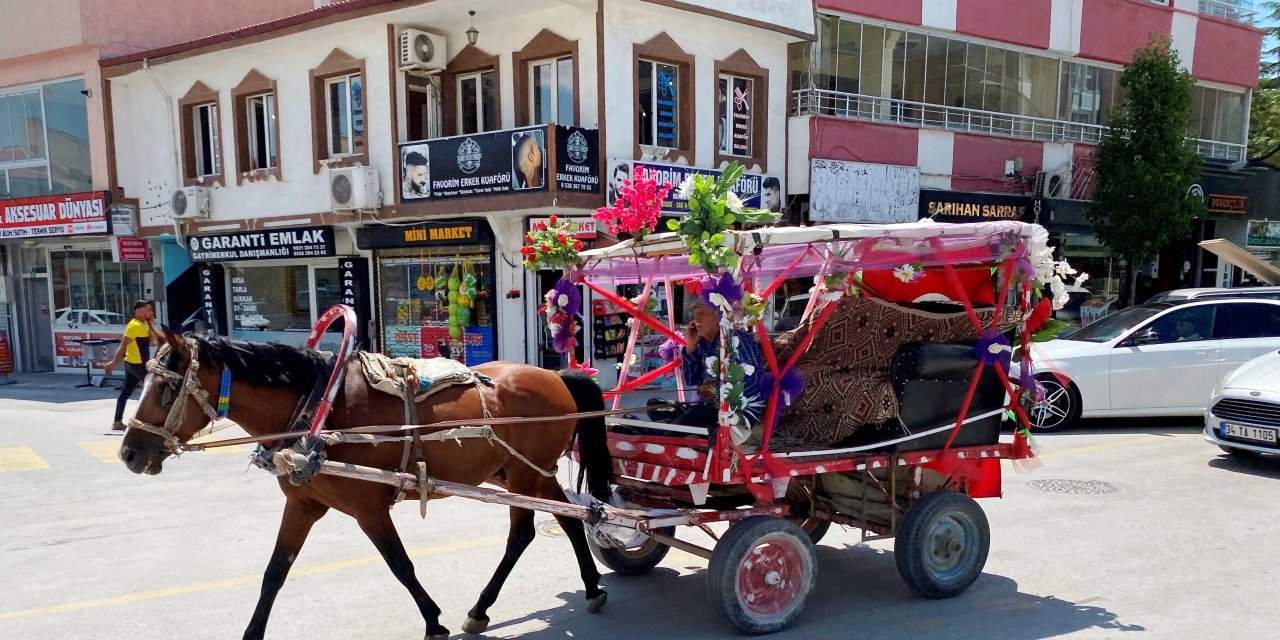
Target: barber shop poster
{"points": [[474, 165]]}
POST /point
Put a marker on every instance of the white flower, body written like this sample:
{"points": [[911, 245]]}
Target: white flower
{"points": [[906, 273], [747, 369], [711, 363], [563, 300], [733, 202], [735, 342], [718, 300], [686, 188]]}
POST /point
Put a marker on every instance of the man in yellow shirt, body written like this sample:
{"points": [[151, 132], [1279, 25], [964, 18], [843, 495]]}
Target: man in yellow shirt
{"points": [[135, 349]]}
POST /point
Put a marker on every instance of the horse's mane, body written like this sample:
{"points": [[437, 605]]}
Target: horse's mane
{"points": [[266, 364]]}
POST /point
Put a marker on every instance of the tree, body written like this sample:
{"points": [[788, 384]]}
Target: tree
{"points": [[1146, 164], [1269, 14], [1264, 123]]}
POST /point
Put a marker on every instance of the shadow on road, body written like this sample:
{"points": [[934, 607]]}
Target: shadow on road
{"points": [[858, 593], [1132, 426], [1262, 466]]}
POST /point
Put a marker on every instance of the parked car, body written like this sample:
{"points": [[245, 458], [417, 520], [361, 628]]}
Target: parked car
{"points": [[67, 317], [788, 316], [1243, 417], [1155, 359], [1205, 293]]}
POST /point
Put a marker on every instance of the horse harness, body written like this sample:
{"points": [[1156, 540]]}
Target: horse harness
{"points": [[183, 386]]}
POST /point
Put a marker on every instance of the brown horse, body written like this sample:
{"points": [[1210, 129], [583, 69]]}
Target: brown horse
{"points": [[267, 383]]}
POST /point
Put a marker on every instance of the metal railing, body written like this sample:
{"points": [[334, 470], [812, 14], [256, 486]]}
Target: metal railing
{"points": [[1235, 10], [892, 110]]}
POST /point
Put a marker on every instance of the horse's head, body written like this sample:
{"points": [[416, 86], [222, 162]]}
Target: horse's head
{"points": [[178, 399]]}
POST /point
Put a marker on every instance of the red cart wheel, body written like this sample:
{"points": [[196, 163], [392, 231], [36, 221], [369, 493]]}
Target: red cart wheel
{"points": [[761, 574]]}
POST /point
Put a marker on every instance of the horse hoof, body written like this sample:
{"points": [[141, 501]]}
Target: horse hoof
{"points": [[475, 626], [594, 605], [438, 634]]}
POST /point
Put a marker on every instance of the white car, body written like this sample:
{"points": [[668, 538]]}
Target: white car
{"points": [[1155, 359], [75, 318], [1243, 417]]}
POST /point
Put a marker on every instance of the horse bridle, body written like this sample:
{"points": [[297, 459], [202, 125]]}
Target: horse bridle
{"points": [[188, 385]]}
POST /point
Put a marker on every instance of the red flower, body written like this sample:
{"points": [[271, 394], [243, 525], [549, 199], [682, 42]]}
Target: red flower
{"points": [[577, 245], [552, 219], [1039, 315], [526, 251], [546, 248], [561, 239], [528, 238]]}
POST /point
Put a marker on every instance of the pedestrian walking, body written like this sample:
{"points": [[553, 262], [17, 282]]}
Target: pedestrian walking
{"points": [[135, 349]]}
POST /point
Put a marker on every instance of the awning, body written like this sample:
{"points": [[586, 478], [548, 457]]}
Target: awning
{"points": [[1240, 257]]}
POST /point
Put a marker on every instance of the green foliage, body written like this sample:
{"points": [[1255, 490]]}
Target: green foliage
{"points": [[1264, 123], [1269, 14], [713, 209], [1146, 164]]}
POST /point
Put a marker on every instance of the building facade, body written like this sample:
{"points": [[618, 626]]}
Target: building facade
{"points": [[65, 274], [973, 109], [389, 154]]}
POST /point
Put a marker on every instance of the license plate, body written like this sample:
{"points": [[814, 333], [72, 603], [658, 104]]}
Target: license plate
{"points": [[1249, 433]]}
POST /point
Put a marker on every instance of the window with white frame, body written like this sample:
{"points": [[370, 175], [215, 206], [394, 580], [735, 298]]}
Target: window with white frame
{"points": [[44, 140], [477, 108], [204, 140], [658, 104], [551, 91], [734, 118], [344, 115], [261, 131]]}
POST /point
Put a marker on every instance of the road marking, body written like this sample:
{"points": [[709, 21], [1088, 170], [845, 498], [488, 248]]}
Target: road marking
{"points": [[20, 459], [1147, 439], [255, 579], [105, 450]]}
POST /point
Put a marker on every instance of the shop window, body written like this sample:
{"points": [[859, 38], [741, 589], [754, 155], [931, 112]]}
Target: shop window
{"points": [[201, 136], [742, 115], [338, 111], [470, 93], [44, 141], [281, 303], [257, 127], [415, 311], [91, 291], [664, 109], [546, 77]]}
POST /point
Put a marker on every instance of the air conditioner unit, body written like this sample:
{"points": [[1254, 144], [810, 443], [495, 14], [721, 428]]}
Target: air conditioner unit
{"points": [[421, 51], [1054, 184], [190, 203], [354, 189]]}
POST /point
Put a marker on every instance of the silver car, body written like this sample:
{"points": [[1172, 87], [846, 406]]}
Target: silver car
{"points": [[1243, 417]]}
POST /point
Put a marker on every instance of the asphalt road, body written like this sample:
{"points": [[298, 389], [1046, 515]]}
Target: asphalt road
{"points": [[1181, 547]]}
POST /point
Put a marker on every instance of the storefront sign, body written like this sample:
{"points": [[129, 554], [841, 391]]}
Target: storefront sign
{"points": [[124, 220], [1219, 203], [751, 187], [1263, 233], [354, 273], [842, 191], [68, 352], [583, 228], [130, 249], [577, 159], [304, 242], [420, 235], [66, 215], [210, 284], [478, 164], [961, 206]]}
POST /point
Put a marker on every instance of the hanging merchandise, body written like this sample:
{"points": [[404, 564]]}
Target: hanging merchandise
{"points": [[425, 282], [455, 322]]}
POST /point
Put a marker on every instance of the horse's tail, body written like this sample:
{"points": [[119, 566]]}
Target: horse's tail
{"points": [[593, 444]]}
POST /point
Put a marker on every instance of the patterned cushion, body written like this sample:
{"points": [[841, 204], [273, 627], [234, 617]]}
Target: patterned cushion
{"points": [[846, 367]]}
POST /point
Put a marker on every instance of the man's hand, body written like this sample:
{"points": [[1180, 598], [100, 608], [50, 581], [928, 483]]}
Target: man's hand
{"points": [[111, 366], [707, 390], [691, 338]]}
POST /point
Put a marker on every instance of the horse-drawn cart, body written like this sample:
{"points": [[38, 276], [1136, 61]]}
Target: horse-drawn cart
{"points": [[882, 410]]}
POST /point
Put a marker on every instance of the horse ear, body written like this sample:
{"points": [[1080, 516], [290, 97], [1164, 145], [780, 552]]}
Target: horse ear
{"points": [[174, 341]]}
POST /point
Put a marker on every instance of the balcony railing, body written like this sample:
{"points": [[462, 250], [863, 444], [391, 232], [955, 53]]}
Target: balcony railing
{"points": [[1237, 10], [891, 110]]}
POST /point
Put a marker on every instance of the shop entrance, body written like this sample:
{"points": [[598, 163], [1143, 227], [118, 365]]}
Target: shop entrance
{"points": [[37, 334]]}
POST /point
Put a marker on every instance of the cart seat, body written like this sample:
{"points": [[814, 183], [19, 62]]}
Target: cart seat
{"points": [[847, 368]]}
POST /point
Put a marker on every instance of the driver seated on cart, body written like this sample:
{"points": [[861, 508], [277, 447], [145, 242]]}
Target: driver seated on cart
{"points": [[702, 340]]}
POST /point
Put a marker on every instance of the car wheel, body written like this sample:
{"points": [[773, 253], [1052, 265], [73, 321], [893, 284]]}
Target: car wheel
{"points": [[1060, 407], [1243, 454]]}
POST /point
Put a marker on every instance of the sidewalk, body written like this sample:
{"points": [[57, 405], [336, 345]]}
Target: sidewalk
{"points": [[57, 387]]}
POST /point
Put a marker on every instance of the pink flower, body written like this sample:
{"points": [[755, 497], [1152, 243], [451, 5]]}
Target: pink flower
{"points": [[637, 208]]}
